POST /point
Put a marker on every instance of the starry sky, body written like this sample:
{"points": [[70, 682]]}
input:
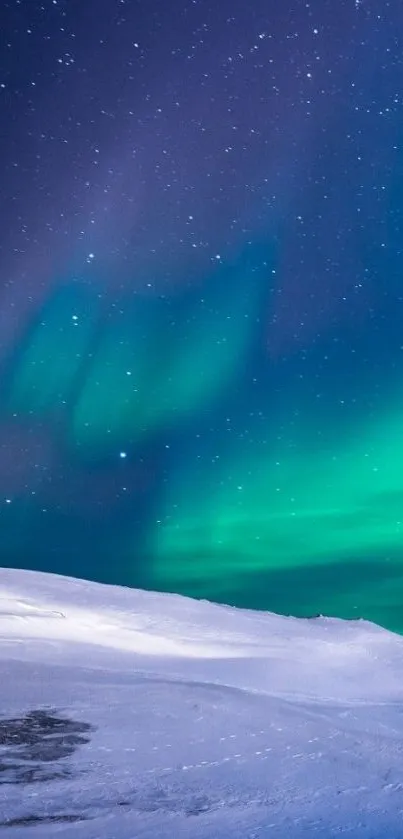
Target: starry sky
{"points": [[201, 299]]}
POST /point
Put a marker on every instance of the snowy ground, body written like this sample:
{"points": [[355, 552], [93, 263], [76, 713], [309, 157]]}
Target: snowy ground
{"points": [[126, 715]]}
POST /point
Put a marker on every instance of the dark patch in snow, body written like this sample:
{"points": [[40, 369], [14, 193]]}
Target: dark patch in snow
{"points": [[38, 738], [27, 821], [30, 748]]}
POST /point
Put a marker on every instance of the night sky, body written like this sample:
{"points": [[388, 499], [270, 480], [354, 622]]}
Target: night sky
{"points": [[201, 298]]}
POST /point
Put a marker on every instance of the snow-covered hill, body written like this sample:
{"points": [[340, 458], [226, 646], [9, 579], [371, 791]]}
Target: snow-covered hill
{"points": [[128, 714]]}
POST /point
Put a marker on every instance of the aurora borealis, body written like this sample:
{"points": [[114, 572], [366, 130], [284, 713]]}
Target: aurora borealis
{"points": [[201, 305]]}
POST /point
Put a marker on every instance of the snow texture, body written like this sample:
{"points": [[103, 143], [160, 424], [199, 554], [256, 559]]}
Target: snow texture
{"points": [[130, 714]]}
